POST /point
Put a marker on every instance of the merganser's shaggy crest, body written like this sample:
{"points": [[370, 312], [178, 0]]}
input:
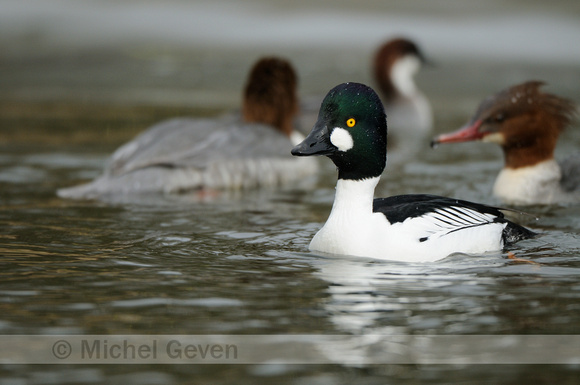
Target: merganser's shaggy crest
{"points": [[352, 131], [228, 153], [395, 65], [526, 123]]}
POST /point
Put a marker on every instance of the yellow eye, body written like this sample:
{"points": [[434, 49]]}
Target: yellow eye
{"points": [[351, 122]]}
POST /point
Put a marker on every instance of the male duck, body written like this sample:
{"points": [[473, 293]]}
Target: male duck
{"points": [[352, 131], [526, 123], [227, 153]]}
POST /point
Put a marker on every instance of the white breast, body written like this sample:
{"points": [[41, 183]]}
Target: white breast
{"points": [[537, 184]]}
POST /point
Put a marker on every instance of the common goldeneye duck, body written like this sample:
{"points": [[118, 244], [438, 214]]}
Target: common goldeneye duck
{"points": [[526, 123], [395, 65], [352, 131], [226, 153]]}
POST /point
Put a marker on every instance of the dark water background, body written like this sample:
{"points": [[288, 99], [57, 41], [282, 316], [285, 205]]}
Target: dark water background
{"points": [[77, 79]]}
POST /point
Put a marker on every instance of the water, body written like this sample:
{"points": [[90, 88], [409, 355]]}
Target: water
{"points": [[238, 264]]}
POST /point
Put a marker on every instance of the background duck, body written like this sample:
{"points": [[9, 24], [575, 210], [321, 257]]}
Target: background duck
{"points": [[395, 65], [231, 152], [352, 131], [526, 123]]}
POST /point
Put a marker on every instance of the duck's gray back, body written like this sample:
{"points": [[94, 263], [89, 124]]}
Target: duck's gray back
{"points": [[197, 143]]}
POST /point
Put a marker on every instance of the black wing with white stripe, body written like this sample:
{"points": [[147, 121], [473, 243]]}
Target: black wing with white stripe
{"points": [[447, 215]]}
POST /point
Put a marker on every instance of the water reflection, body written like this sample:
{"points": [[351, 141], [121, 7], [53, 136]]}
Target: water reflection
{"points": [[460, 295]]}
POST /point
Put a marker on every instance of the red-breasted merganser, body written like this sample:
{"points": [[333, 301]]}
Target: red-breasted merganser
{"points": [[526, 123]]}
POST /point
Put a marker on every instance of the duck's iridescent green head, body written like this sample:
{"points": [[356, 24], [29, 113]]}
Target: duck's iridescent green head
{"points": [[351, 130]]}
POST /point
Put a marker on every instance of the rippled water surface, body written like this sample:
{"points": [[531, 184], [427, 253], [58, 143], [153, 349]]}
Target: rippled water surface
{"points": [[238, 263]]}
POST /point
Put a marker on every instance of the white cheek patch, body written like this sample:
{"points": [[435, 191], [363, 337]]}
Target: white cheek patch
{"points": [[341, 139]]}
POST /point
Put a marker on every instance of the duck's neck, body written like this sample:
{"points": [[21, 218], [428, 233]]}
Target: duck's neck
{"points": [[537, 146], [282, 118], [354, 196], [402, 76], [527, 154]]}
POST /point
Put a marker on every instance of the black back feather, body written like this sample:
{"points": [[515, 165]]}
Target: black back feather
{"points": [[401, 207]]}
